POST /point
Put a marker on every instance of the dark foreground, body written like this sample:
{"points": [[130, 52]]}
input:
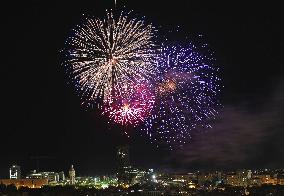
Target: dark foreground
{"points": [[266, 190]]}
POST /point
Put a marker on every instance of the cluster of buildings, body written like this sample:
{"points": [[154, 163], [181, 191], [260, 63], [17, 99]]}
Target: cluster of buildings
{"points": [[219, 179], [128, 176], [125, 176], [37, 179]]}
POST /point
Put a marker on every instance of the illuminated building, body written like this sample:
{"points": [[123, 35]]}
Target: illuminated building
{"points": [[52, 177], [249, 174], [134, 175], [240, 178], [232, 179], [123, 163], [255, 181], [204, 178], [123, 156], [243, 177], [181, 177], [15, 172], [280, 179], [267, 179], [72, 175], [126, 173]]}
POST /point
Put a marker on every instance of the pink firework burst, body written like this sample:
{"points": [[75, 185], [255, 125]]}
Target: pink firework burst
{"points": [[130, 104]]}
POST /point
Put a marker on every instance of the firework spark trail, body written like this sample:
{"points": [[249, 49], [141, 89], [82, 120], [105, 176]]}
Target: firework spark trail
{"points": [[130, 105], [186, 91], [104, 53]]}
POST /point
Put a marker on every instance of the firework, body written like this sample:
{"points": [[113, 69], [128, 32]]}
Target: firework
{"points": [[130, 105], [102, 54], [186, 90]]}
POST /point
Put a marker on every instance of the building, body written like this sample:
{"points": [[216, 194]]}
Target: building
{"points": [[123, 156], [205, 178], [267, 179], [280, 179], [127, 174], [72, 175], [124, 169], [133, 176], [15, 172], [30, 183], [249, 174], [241, 178], [181, 178], [232, 179], [255, 181], [61, 176], [52, 177]]}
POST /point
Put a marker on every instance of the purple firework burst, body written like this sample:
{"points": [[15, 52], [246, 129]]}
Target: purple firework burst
{"points": [[186, 89]]}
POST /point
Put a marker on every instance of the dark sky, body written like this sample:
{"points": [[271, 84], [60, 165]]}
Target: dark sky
{"points": [[42, 116]]}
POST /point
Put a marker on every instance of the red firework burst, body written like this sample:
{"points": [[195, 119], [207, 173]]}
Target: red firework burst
{"points": [[129, 104]]}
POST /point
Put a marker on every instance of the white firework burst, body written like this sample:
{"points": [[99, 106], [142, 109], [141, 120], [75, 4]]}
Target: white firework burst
{"points": [[108, 52]]}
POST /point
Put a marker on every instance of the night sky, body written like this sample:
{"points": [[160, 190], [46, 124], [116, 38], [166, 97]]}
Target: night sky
{"points": [[42, 116]]}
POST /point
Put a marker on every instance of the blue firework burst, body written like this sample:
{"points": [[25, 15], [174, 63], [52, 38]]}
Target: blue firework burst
{"points": [[186, 93]]}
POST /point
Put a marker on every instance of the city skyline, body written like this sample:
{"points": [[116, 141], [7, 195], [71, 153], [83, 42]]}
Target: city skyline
{"points": [[43, 116], [129, 179]]}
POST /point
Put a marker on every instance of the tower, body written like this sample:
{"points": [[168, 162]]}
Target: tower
{"points": [[123, 156], [249, 174], [123, 163], [72, 175], [15, 172]]}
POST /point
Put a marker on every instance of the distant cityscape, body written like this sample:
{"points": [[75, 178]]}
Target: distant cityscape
{"points": [[129, 180]]}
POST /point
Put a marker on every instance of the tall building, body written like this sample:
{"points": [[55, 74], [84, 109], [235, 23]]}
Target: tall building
{"points": [[15, 172], [123, 165], [123, 156], [249, 172], [72, 175]]}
